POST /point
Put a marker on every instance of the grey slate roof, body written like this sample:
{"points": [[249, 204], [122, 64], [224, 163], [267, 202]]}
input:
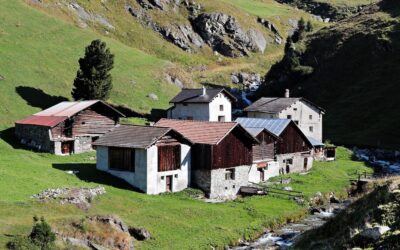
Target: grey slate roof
{"points": [[130, 136], [273, 105], [315, 142], [275, 126], [196, 96]]}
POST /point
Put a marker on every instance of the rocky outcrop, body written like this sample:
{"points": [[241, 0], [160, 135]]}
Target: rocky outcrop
{"points": [[224, 34], [251, 81], [85, 16], [271, 26], [218, 30], [80, 197]]}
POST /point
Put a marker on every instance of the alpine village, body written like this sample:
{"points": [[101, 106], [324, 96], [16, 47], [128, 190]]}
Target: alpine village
{"points": [[198, 124]]}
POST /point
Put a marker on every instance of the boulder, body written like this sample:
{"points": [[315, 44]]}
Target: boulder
{"points": [[258, 40], [152, 96], [374, 232], [139, 233]]}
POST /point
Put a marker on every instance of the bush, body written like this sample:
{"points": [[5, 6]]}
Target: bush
{"points": [[22, 243]]}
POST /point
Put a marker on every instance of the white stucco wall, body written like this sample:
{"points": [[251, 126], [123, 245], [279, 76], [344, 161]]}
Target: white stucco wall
{"points": [[198, 111], [215, 111], [146, 176], [203, 111], [271, 170], [228, 189], [301, 112]]}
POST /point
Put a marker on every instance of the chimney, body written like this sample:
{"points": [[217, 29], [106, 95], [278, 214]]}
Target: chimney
{"points": [[204, 91], [287, 93]]}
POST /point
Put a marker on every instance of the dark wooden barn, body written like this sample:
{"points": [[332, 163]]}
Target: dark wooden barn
{"points": [[68, 127]]}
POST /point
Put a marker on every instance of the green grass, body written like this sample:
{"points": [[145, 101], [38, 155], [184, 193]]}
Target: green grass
{"points": [[176, 221], [40, 53], [347, 3]]}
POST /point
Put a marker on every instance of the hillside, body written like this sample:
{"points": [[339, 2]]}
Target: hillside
{"points": [[355, 65]]}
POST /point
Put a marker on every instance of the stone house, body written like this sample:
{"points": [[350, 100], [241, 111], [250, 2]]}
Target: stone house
{"points": [[304, 113], [68, 127], [152, 159], [202, 104], [289, 146], [221, 155]]}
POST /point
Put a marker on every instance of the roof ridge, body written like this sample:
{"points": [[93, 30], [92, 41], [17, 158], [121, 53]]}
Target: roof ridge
{"points": [[181, 120]]}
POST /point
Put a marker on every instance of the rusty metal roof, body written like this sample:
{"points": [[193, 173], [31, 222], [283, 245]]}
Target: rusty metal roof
{"points": [[131, 136], [47, 121], [203, 132], [196, 96], [58, 113]]}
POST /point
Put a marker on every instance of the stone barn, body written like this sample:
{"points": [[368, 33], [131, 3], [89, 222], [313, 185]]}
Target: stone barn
{"points": [[221, 155], [152, 159], [68, 127], [292, 149]]}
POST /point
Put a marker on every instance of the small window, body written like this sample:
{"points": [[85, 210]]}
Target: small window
{"points": [[83, 123], [297, 122], [311, 128], [295, 109], [230, 174], [289, 117], [189, 118], [221, 118], [289, 161], [221, 107], [310, 116]]}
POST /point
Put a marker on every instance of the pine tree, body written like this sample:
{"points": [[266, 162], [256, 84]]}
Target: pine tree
{"points": [[93, 79], [309, 27]]}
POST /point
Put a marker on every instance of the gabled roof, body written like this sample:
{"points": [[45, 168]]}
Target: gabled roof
{"points": [[273, 105], [256, 131], [275, 126], [196, 96], [131, 136], [203, 132], [58, 113]]}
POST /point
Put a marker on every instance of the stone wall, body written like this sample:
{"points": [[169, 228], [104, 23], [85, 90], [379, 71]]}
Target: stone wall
{"points": [[297, 164], [221, 188], [37, 137], [271, 170], [82, 144], [201, 179]]}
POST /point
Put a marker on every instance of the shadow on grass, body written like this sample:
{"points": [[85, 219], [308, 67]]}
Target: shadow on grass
{"points": [[87, 172], [8, 136], [38, 98]]}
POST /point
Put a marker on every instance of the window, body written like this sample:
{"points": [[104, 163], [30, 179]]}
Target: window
{"points": [[310, 116], [289, 117], [289, 161], [221, 107], [311, 128], [230, 174], [189, 118], [221, 118], [122, 159], [297, 122], [295, 109]]}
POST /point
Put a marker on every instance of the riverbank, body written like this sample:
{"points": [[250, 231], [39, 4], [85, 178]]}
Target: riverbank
{"points": [[175, 221]]}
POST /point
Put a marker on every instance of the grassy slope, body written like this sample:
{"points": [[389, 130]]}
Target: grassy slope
{"points": [[38, 51]]}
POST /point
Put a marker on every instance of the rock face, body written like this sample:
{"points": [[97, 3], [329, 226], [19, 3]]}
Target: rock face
{"points": [[271, 26], [81, 197], [224, 35], [250, 81], [218, 30], [85, 16]]}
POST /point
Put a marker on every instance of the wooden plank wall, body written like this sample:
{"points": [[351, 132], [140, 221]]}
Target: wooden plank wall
{"points": [[122, 159], [234, 150], [266, 149], [169, 157], [201, 156], [292, 141], [90, 121]]}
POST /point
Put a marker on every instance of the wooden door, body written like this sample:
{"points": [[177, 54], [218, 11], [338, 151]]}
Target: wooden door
{"points": [[66, 147], [169, 183], [261, 175]]}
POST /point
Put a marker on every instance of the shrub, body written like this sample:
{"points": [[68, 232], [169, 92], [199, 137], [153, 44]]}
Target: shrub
{"points": [[41, 234]]}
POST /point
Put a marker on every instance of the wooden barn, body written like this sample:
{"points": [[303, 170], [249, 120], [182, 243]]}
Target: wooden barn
{"points": [[68, 127], [221, 154], [292, 149], [152, 159]]}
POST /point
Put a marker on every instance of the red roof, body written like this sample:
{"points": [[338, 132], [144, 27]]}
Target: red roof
{"points": [[202, 132], [48, 121]]}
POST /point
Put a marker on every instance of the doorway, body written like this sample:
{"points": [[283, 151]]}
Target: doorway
{"points": [[67, 147], [262, 175], [168, 181], [305, 163]]}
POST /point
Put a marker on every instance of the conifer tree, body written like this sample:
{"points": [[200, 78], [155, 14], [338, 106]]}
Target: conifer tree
{"points": [[93, 79]]}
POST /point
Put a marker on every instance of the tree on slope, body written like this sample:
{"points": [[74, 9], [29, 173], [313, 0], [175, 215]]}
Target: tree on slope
{"points": [[93, 79]]}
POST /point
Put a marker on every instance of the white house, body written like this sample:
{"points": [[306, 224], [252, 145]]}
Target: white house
{"points": [[202, 104], [151, 159], [304, 113]]}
